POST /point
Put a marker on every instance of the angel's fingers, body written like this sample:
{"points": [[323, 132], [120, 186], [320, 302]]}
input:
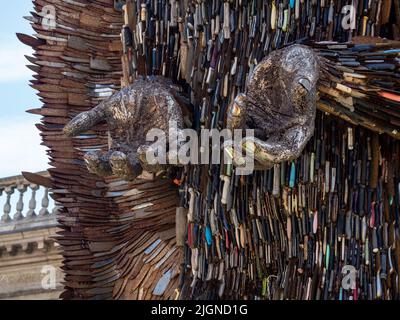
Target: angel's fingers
{"points": [[237, 113], [97, 163], [85, 120], [125, 166], [280, 147]]}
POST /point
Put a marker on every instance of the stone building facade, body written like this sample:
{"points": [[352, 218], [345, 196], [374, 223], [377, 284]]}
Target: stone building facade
{"points": [[30, 258]]}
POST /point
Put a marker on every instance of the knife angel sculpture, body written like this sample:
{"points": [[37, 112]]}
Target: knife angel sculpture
{"points": [[118, 238]]}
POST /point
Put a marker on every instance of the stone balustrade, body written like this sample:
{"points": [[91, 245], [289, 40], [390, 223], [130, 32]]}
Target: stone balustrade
{"points": [[14, 191]]}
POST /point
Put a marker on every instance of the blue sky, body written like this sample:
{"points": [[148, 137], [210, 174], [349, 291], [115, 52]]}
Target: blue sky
{"points": [[19, 138]]}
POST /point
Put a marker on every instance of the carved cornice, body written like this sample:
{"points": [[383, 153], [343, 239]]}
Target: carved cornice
{"points": [[28, 235]]}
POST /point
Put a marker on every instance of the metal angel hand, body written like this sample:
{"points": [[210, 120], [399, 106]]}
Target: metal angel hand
{"points": [[279, 104], [130, 113]]}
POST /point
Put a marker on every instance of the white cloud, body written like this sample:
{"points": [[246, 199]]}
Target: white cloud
{"points": [[13, 63], [20, 148]]}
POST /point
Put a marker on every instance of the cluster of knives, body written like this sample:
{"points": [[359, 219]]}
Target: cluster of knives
{"points": [[360, 83], [285, 233], [291, 232]]}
